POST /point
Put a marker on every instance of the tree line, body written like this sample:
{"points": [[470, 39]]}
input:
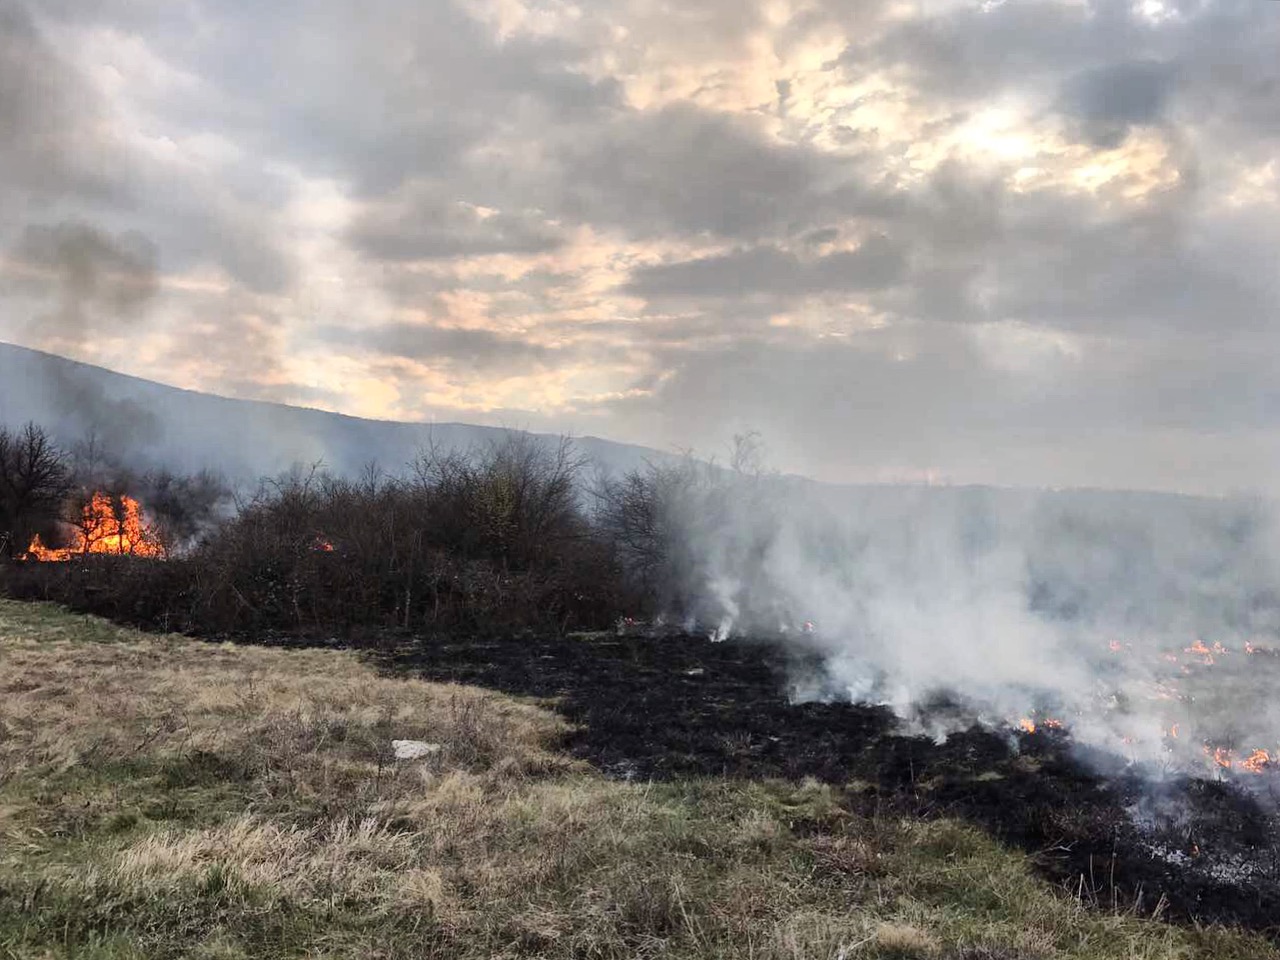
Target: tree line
{"points": [[514, 535]]}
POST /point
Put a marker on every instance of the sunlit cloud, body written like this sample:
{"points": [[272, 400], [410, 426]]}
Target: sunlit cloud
{"points": [[967, 223]]}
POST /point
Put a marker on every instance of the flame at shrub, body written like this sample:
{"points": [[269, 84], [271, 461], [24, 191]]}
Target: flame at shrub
{"points": [[105, 527]]}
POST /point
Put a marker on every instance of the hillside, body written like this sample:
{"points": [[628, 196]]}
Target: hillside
{"points": [[243, 439], [162, 797]]}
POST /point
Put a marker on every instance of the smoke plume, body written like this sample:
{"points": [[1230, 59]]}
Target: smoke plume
{"points": [[87, 284], [1144, 623]]}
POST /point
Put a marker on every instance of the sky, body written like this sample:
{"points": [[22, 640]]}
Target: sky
{"points": [[1022, 243]]}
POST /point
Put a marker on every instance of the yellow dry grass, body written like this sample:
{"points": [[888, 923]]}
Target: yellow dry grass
{"points": [[166, 798], [64, 702]]}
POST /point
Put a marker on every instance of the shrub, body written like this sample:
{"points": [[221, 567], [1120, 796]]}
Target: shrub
{"points": [[492, 540]]}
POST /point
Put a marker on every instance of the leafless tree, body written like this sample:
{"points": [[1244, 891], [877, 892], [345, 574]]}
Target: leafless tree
{"points": [[646, 516], [35, 481]]}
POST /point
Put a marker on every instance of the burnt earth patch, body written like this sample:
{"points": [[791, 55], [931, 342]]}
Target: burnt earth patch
{"points": [[648, 708]]}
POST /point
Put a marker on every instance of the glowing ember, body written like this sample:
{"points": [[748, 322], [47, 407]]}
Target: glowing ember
{"points": [[1173, 731], [1114, 646], [103, 529], [322, 545]]}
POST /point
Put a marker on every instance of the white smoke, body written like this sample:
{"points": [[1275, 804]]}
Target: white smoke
{"points": [[1073, 607]]}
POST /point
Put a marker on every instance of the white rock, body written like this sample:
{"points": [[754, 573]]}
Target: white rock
{"points": [[414, 749]]}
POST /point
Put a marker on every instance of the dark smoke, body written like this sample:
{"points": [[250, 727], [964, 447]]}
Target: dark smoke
{"points": [[99, 282], [95, 285]]}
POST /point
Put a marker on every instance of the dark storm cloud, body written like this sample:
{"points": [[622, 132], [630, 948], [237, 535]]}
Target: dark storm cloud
{"points": [[875, 264], [437, 345]]}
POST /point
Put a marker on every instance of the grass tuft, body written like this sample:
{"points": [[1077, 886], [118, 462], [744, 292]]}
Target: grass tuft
{"points": [[163, 798]]}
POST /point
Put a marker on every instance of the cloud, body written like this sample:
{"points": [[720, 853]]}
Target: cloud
{"points": [[1107, 101], [875, 264], [968, 52], [1024, 241], [481, 350], [970, 404], [68, 146], [420, 222], [56, 140], [391, 93], [684, 170]]}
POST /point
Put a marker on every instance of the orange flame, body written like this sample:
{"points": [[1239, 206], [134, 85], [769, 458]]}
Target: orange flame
{"points": [[1221, 756], [101, 530], [1205, 653], [1027, 724], [1256, 762]]}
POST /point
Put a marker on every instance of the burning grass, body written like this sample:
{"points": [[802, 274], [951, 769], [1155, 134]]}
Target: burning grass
{"points": [[163, 798]]}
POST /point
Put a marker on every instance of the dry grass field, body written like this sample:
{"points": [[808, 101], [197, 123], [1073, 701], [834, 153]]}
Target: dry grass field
{"points": [[162, 797]]}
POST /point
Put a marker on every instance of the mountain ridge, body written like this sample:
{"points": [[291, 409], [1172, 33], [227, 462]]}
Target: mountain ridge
{"points": [[186, 429]]}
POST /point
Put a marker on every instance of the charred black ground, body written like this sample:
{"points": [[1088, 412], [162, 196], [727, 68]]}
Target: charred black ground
{"points": [[646, 708]]}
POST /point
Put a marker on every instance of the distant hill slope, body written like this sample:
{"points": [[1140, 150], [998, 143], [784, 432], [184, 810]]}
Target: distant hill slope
{"points": [[246, 439], [243, 439]]}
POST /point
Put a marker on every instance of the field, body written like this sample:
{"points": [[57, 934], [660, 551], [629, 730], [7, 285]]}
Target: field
{"points": [[165, 797]]}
